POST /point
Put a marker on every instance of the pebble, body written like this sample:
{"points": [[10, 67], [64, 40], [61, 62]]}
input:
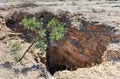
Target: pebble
{"points": [[2, 36]]}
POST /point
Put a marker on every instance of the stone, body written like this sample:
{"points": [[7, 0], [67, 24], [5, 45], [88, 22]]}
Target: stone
{"points": [[2, 36], [111, 55]]}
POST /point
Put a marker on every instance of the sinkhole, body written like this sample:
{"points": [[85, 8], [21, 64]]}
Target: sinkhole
{"points": [[83, 47]]}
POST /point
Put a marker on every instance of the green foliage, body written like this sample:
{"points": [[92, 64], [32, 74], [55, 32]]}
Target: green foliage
{"points": [[30, 23], [40, 44], [34, 25], [16, 48], [94, 10], [55, 28]]}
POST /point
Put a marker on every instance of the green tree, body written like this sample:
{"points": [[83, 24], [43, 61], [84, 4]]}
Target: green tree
{"points": [[56, 31]]}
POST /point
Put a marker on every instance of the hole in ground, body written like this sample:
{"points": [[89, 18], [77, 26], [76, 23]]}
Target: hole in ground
{"points": [[78, 48]]}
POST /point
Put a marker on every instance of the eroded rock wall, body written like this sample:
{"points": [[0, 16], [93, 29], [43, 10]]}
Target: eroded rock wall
{"points": [[79, 48]]}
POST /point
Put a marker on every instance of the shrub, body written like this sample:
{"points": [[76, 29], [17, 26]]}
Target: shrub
{"points": [[16, 48], [55, 28], [30, 23]]}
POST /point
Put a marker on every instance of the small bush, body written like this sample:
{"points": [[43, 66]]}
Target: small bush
{"points": [[30, 23], [16, 48], [94, 10], [55, 28]]}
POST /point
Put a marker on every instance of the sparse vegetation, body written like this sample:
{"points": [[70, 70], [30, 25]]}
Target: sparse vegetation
{"points": [[94, 10], [7, 40], [16, 48], [31, 24], [103, 10], [54, 29], [35, 26]]}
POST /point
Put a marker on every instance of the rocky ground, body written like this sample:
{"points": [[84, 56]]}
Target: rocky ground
{"points": [[12, 47]]}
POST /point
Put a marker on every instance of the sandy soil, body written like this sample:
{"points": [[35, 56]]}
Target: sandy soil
{"points": [[97, 11]]}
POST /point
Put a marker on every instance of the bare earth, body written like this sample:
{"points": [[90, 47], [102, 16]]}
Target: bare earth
{"points": [[98, 11]]}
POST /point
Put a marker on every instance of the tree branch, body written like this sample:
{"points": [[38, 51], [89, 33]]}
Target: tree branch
{"points": [[26, 51]]}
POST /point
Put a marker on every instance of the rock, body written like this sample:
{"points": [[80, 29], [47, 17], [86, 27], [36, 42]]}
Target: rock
{"points": [[2, 36], [79, 48], [2, 7], [111, 55]]}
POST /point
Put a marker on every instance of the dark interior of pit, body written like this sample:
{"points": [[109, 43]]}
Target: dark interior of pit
{"points": [[78, 48]]}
